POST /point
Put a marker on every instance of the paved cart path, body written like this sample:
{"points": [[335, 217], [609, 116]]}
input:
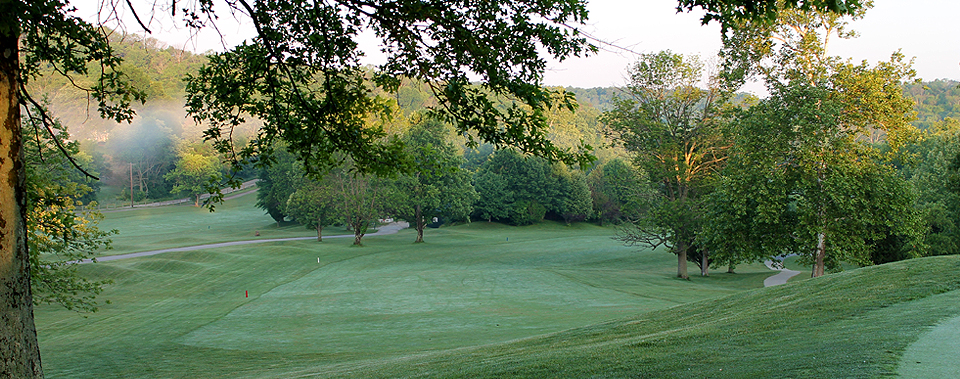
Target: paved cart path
{"points": [[781, 277], [390, 228]]}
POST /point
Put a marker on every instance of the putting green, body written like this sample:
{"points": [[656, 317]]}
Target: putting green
{"points": [[934, 355]]}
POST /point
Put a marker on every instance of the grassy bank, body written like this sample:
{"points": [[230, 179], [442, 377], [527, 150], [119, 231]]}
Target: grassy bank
{"points": [[854, 324]]}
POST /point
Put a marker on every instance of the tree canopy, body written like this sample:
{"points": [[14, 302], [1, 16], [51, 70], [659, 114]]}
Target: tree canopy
{"points": [[672, 128], [806, 175], [437, 186]]}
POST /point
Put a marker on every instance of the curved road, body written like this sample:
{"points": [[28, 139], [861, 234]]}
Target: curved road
{"points": [[781, 277], [390, 228]]}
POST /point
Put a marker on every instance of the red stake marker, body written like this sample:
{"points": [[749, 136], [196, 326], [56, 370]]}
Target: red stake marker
{"points": [[246, 294]]}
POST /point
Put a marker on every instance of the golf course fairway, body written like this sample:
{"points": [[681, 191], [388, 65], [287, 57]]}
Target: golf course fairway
{"points": [[477, 300]]}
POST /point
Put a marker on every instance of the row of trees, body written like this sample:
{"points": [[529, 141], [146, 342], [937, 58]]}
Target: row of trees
{"points": [[828, 167], [431, 186], [507, 187]]}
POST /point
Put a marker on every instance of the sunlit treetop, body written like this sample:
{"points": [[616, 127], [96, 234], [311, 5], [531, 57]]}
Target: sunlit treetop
{"points": [[727, 12]]}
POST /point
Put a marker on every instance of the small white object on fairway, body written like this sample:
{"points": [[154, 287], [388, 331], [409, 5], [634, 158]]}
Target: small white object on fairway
{"points": [[934, 355]]}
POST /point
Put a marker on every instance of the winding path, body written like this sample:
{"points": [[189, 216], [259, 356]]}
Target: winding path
{"points": [[781, 277], [391, 228]]}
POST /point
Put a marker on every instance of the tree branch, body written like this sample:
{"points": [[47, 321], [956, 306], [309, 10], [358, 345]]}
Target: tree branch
{"points": [[46, 120]]}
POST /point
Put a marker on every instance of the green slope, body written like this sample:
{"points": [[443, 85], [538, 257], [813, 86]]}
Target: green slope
{"points": [[482, 300], [853, 324]]}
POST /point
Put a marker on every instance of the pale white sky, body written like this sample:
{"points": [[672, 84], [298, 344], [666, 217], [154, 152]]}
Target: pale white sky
{"points": [[925, 29]]}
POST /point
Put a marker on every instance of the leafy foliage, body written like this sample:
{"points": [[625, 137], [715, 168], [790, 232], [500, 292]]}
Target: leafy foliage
{"points": [[575, 204], [523, 190], [934, 177], [314, 206], [437, 187], [60, 233], [301, 76], [766, 11], [804, 178], [935, 101], [618, 190], [194, 172], [801, 182], [363, 199], [276, 184], [673, 130]]}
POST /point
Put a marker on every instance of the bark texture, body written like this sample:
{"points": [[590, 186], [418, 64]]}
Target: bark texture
{"points": [[421, 223], [821, 255], [682, 263], [19, 351], [705, 263]]}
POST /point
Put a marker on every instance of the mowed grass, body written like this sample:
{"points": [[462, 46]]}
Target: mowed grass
{"points": [[854, 324], [186, 315], [155, 228]]}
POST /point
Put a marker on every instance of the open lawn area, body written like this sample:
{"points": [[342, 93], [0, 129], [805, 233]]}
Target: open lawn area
{"points": [[470, 285], [153, 228]]}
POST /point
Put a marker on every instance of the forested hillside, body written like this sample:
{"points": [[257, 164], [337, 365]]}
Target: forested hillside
{"points": [[935, 101]]}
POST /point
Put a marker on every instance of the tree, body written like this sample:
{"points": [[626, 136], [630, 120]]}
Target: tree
{"points": [[363, 199], [436, 187], [673, 129], [807, 177], [276, 183], [729, 13], [147, 149], [495, 196], [934, 177], [194, 172], [302, 77], [517, 189], [802, 182], [575, 204], [314, 205], [617, 190], [42, 33]]}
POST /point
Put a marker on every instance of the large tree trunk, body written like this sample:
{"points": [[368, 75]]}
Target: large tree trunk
{"points": [[420, 223], [196, 200], [319, 231], [821, 254], [705, 263], [19, 351], [682, 263]]}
